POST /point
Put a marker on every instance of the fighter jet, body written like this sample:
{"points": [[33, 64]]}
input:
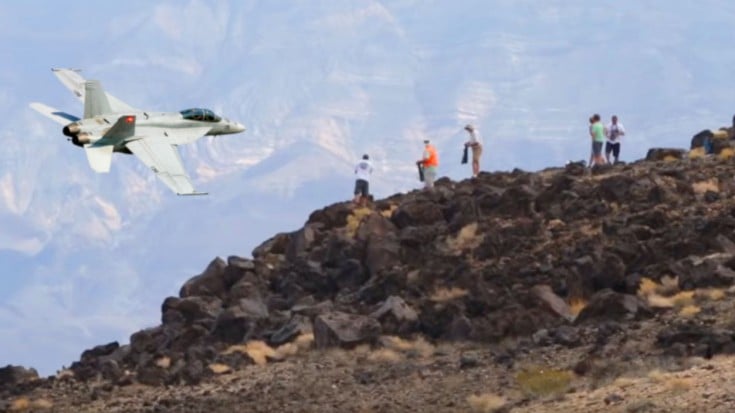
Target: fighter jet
{"points": [[109, 125]]}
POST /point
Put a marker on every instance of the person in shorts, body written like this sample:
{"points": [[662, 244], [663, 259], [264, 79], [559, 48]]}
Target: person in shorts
{"points": [[597, 132], [614, 131], [474, 142], [363, 170]]}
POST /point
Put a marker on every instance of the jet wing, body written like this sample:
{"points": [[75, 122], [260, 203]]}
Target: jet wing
{"points": [[58, 116], [163, 158], [76, 84]]}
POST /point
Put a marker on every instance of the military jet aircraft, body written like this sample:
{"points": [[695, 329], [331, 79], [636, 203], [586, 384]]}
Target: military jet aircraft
{"points": [[110, 125]]}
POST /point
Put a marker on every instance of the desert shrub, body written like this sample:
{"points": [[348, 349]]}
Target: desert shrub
{"points": [[539, 381], [354, 219], [697, 153], [726, 154]]}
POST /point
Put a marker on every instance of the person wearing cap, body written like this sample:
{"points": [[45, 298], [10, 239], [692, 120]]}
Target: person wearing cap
{"points": [[476, 144], [363, 170], [429, 162]]}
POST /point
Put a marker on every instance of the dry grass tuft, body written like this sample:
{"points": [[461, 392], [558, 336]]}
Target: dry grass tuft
{"points": [[689, 311], [257, 350], [647, 286], [701, 187], [576, 305], [389, 212], [683, 298], [670, 158], [467, 238], [354, 219], [219, 368], [385, 355], [726, 154], [697, 153], [624, 382], [19, 405], [486, 403], [447, 294], [713, 294], [659, 301], [544, 382], [669, 285], [656, 376], [418, 346], [679, 384], [42, 404], [305, 341], [720, 134], [286, 350], [164, 362]]}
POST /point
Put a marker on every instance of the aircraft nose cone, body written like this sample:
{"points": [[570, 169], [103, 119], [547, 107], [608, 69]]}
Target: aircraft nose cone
{"points": [[237, 127]]}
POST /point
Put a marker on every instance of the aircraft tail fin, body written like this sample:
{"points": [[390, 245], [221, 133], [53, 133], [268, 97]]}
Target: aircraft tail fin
{"points": [[95, 100], [99, 157], [73, 80]]}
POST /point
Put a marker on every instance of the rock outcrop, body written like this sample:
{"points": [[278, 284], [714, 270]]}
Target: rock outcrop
{"points": [[505, 254]]}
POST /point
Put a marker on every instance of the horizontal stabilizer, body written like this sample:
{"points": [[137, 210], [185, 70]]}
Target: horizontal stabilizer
{"points": [[58, 116], [122, 129], [100, 158]]}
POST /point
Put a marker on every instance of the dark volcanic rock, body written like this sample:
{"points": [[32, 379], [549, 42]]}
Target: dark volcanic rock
{"points": [[660, 154], [210, 282], [345, 330], [696, 340], [609, 305], [14, 376], [496, 257]]}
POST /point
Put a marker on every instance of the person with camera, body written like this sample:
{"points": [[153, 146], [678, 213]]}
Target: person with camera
{"points": [[475, 143]]}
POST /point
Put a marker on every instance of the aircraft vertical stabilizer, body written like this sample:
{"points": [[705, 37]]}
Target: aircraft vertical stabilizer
{"points": [[100, 157], [95, 100]]}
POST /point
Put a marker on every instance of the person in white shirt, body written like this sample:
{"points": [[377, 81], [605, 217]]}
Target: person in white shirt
{"points": [[613, 133], [475, 142], [363, 170]]}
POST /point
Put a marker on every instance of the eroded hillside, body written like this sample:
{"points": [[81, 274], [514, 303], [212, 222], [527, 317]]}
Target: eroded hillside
{"points": [[538, 289]]}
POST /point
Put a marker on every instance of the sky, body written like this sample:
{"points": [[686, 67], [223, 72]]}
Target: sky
{"points": [[88, 258]]}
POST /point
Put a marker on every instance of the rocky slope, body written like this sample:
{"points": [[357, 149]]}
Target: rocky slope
{"points": [[491, 276]]}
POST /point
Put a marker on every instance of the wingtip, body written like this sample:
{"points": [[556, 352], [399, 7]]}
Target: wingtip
{"points": [[192, 193]]}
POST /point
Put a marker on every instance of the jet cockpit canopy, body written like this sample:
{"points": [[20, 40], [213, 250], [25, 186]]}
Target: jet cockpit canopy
{"points": [[204, 115]]}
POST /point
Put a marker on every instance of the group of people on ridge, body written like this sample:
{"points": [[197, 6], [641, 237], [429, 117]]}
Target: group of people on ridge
{"points": [[609, 136], [428, 165]]}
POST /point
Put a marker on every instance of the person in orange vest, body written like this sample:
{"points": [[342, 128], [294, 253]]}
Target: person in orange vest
{"points": [[429, 163]]}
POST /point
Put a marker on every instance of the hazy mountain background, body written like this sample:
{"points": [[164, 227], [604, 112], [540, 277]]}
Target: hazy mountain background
{"points": [[88, 258]]}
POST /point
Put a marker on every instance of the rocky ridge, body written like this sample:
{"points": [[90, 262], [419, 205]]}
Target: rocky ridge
{"points": [[557, 257]]}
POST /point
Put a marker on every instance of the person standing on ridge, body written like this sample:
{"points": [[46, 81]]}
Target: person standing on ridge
{"points": [[614, 131], [429, 162], [597, 132], [363, 170], [476, 144]]}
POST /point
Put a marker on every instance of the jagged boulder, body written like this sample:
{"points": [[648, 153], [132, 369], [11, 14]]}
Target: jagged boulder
{"points": [[15, 376], [610, 305], [688, 339], [417, 212], [210, 282], [396, 316], [662, 154], [344, 330]]}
